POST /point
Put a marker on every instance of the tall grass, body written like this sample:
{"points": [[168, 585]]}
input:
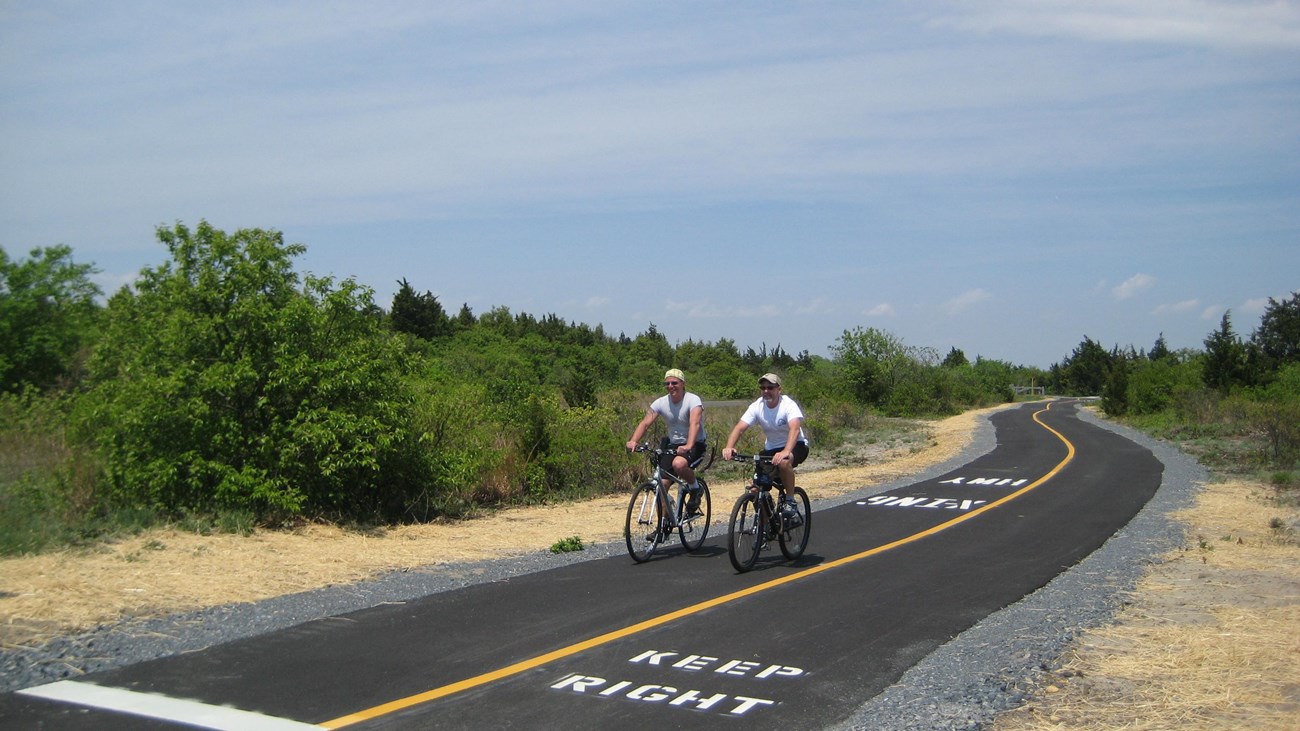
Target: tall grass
{"points": [[47, 483]]}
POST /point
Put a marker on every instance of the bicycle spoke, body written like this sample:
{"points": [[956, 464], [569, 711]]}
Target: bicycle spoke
{"points": [[642, 528]]}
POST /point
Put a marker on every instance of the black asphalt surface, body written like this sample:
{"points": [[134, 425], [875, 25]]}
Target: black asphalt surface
{"points": [[885, 581]]}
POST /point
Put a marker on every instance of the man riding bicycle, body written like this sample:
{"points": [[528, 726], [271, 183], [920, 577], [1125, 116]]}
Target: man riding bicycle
{"points": [[683, 414], [781, 420]]}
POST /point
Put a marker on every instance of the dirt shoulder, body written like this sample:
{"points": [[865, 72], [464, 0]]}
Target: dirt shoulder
{"points": [[1209, 639]]}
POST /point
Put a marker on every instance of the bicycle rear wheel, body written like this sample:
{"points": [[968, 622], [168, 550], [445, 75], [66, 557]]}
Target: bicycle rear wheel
{"points": [[694, 528], [642, 529], [745, 534], [794, 540]]}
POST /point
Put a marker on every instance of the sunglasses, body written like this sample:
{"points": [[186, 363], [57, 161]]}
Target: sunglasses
{"points": [[768, 388], [672, 383]]}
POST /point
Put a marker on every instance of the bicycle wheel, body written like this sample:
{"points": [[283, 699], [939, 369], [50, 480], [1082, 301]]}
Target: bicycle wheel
{"points": [[794, 540], [745, 535], [644, 521], [693, 529]]}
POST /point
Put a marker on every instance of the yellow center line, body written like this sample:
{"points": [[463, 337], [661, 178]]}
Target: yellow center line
{"points": [[563, 652]]}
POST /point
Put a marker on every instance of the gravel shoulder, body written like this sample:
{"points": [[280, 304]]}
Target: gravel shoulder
{"points": [[998, 665]]}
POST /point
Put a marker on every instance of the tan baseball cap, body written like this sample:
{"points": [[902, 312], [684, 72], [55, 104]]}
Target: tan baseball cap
{"points": [[771, 378], [675, 373]]}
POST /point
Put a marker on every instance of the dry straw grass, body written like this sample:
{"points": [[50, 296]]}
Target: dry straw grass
{"points": [[168, 571], [1210, 640]]}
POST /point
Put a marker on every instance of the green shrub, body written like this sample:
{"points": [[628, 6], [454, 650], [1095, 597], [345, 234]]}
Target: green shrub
{"points": [[586, 454], [567, 545], [224, 383]]}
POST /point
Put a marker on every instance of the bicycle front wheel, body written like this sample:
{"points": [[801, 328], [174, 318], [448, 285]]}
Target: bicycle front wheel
{"points": [[694, 526], [745, 534], [642, 530], [795, 539]]}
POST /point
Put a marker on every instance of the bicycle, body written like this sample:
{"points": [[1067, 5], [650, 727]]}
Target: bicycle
{"points": [[755, 519], [647, 526]]}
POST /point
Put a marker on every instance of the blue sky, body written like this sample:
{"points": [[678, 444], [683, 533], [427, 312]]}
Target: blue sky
{"points": [[1002, 176]]}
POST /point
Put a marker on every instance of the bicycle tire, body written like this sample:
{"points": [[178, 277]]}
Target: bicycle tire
{"points": [[795, 540], [642, 530], [745, 532], [695, 529]]}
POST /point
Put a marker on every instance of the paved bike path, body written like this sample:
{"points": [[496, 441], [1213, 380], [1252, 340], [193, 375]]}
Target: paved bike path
{"points": [[800, 644]]}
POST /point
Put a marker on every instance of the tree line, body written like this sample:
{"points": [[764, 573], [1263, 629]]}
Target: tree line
{"points": [[223, 382], [1245, 389]]}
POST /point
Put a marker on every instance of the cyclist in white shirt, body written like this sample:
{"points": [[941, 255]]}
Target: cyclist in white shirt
{"points": [[683, 414], [782, 422]]}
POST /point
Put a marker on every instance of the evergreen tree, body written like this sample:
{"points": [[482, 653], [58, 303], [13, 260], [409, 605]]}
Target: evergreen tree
{"points": [[1159, 350], [1278, 334], [955, 359], [1114, 397], [420, 315], [465, 318], [1225, 357], [1086, 370]]}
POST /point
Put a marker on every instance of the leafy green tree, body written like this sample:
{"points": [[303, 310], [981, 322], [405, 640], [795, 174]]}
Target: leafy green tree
{"points": [[47, 317], [499, 320], [955, 359], [651, 346], [1155, 385], [883, 371], [225, 382], [1225, 358], [870, 359], [994, 379]]}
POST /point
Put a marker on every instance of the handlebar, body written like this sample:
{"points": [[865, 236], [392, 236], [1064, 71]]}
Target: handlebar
{"points": [[699, 464], [756, 458]]}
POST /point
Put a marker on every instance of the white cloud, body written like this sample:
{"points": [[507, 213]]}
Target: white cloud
{"points": [[1176, 308], [707, 310], [818, 306], [1213, 312], [593, 303], [1253, 306], [1133, 286], [884, 309], [965, 301], [1214, 23]]}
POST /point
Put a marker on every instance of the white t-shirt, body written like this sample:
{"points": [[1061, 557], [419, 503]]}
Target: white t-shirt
{"points": [[775, 421], [677, 416]]}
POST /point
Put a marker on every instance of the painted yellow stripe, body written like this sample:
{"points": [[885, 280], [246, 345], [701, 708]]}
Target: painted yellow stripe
{"points": [[563, 652]]}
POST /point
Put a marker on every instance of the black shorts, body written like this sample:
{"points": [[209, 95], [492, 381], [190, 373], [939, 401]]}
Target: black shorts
{"points": [[797, 455], [666, 461]]}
